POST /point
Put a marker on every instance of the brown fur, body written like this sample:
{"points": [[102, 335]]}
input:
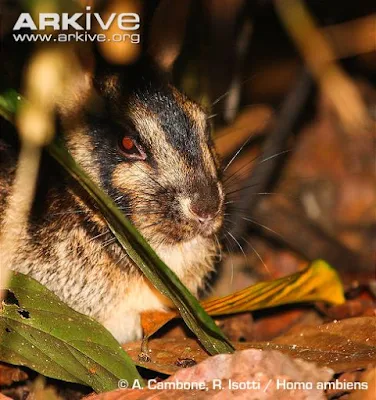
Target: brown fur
{"points": [[68, 247]]}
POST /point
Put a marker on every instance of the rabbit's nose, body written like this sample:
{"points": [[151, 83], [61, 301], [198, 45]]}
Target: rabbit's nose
{"points": [[206, 204], [201, 212]]}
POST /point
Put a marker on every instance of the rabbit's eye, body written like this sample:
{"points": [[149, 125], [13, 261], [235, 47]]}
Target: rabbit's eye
{"points": [[128, 143], [131, 149]]}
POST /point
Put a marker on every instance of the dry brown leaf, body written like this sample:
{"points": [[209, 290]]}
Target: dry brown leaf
{"points": [[238, 328], [345, 383], [249, 122], [257, 370], [352, 308], [270, 325], [368, 376], [10, 374], [2, 397], [165, 353], [152, 321], [340, 345]]}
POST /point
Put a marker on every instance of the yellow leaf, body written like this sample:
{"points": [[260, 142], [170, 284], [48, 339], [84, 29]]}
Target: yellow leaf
{"points": [[318, 282]]}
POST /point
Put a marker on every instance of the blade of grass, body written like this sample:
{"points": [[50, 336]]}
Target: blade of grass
{"points": [[162, 277]]}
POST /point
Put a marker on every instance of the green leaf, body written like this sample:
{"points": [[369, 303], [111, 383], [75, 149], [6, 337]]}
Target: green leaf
{"points": [[162, 277], [41, 332], [9, 102]]}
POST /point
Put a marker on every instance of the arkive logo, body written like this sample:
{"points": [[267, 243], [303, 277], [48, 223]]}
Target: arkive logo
{"points": [[77, 21]]}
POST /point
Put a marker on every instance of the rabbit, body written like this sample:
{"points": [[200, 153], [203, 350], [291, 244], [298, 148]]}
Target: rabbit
{"points": [[149, 148]]}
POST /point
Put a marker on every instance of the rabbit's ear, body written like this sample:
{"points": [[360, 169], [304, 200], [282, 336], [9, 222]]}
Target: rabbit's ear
{"points": [[93, 81], [167, 31], [79, 85]]}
